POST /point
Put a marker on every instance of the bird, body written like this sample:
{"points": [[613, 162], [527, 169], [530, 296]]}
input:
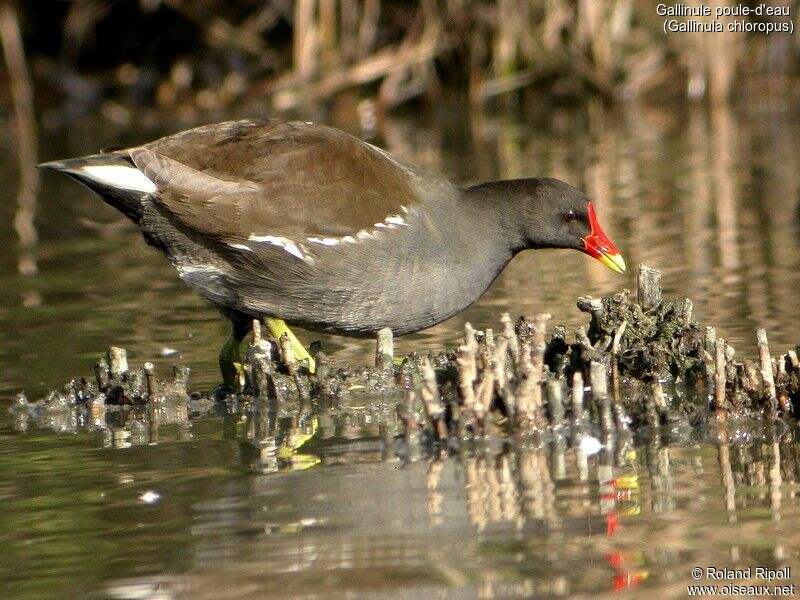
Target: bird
{"points": [[301, 224]]}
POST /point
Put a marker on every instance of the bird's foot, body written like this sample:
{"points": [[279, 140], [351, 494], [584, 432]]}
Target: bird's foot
{"points": [[277, 327]]}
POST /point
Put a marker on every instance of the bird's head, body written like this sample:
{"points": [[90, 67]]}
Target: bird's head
{"points": [[553, 214]]}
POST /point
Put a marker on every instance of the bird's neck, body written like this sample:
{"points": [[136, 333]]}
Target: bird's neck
{"points": [[500, 221]]}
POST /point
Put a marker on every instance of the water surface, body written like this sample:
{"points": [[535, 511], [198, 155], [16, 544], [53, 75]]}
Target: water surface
{"points": [[196, 511], [202, 513]]}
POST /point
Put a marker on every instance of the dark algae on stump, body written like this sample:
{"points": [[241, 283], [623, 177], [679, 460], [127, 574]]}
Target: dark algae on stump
{"points": [[658, 341]]}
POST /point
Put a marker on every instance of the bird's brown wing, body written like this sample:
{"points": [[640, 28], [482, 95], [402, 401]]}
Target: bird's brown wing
{"points": [[248, 178]]}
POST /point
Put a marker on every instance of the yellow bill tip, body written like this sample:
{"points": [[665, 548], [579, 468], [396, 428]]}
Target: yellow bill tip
{"points": [[615, 262]]}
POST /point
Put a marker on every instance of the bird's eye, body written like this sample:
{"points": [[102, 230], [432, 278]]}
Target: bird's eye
{"points": [[570, 216]]}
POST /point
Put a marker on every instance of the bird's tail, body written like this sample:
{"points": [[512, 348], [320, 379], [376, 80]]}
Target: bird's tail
{"points": [[113, 176]]}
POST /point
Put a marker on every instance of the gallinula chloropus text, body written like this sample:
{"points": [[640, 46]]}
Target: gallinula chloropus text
{"points": [[304, 224]]}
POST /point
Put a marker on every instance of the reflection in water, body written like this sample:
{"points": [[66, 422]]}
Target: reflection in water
{"points": [[275, 501], [492, 523]]}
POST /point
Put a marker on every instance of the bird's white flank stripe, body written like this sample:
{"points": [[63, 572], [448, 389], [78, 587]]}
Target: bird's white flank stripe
{"points": [[119, 176], [283, 242], [328, 241], [391, 221], [388, 223]]}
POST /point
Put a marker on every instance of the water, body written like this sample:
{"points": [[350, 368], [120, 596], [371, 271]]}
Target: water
{"points": [[708, 197], [201, 514]]}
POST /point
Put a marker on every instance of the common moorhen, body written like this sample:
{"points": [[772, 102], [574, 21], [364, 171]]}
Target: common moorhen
{"points": [[304, 224]]}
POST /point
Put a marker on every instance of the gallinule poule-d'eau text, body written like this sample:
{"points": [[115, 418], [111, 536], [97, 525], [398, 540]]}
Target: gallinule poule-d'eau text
{"points": [[304, 224]]}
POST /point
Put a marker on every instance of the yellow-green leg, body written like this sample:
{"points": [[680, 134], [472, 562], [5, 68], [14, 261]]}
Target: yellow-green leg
{"points": [[230, 360], [277, 327]]}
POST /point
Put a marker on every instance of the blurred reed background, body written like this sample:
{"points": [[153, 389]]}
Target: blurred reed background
{"points": [[190, 57]]}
